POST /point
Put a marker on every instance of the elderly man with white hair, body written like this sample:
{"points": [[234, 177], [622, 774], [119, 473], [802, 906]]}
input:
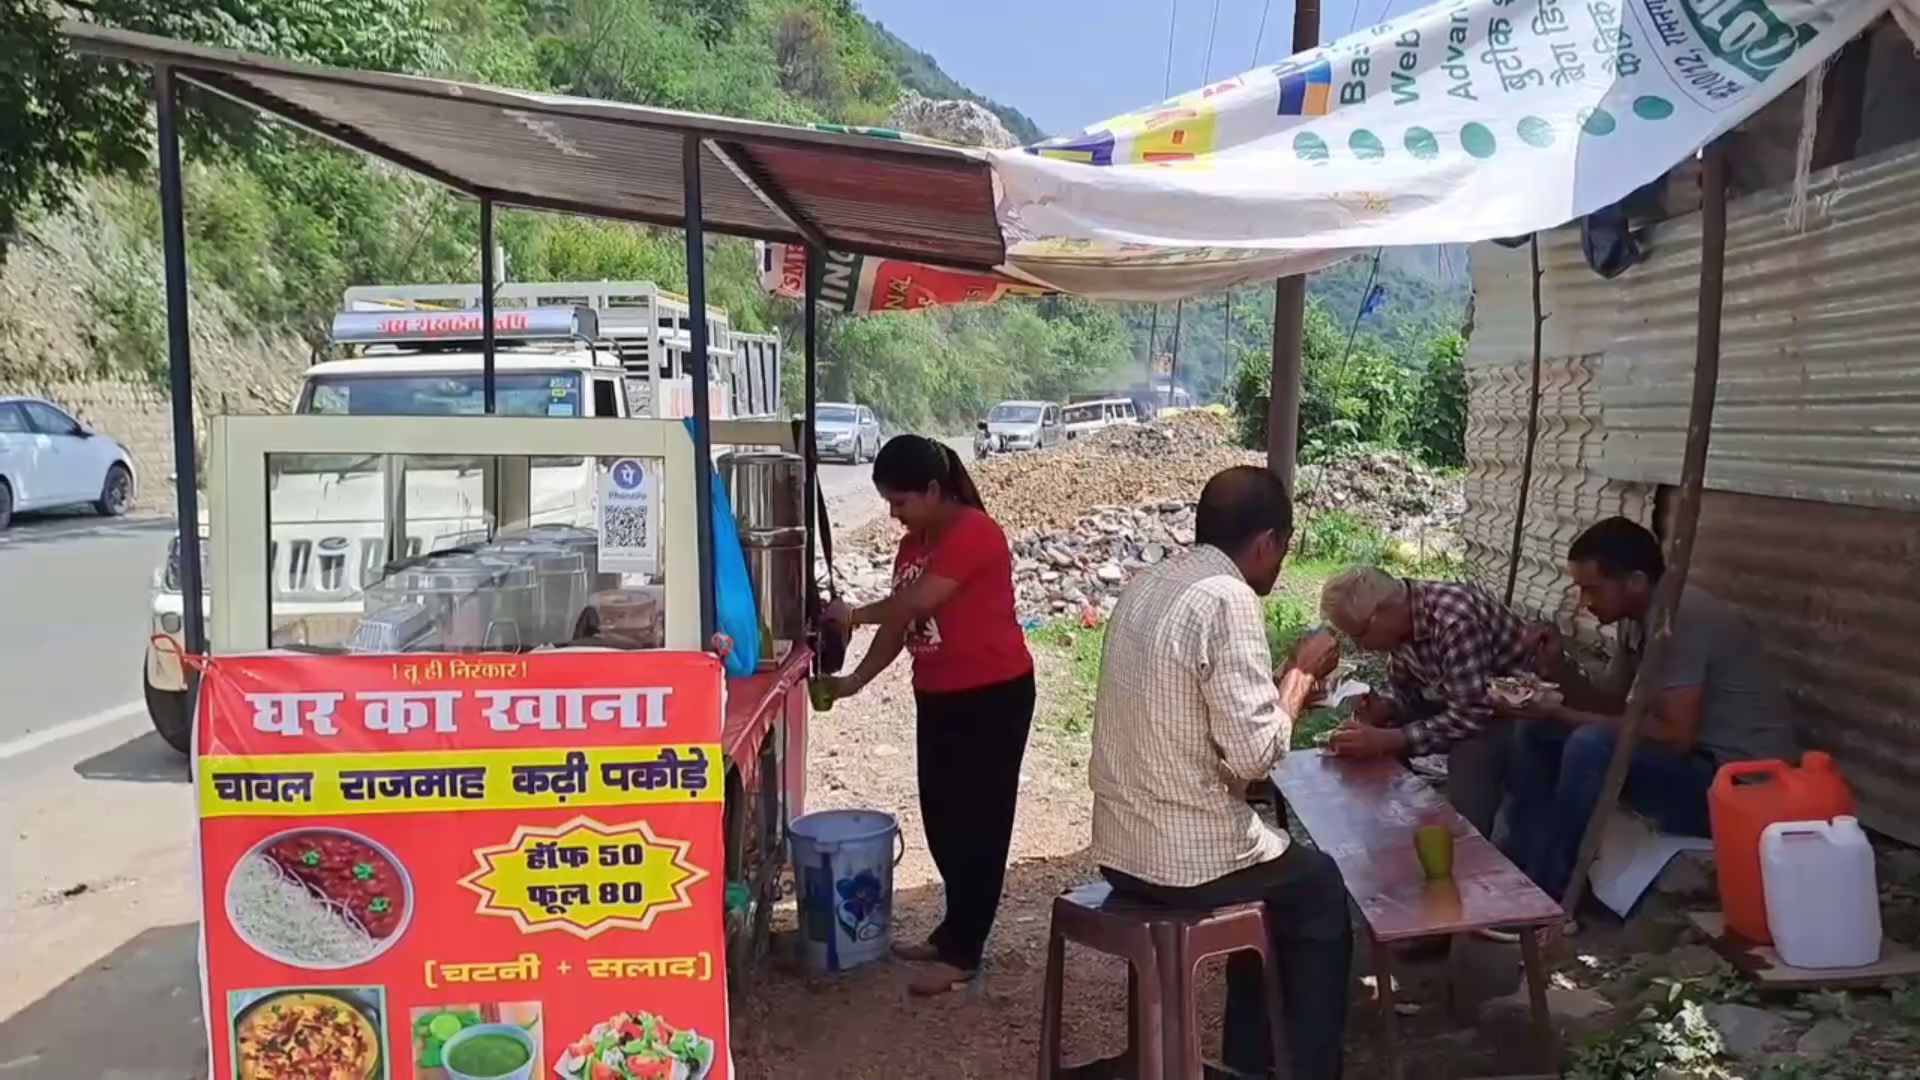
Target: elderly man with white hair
{"points": [[1443, 642]]}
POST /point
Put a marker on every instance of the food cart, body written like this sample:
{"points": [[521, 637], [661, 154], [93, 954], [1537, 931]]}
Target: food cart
{"points": [[433, 842]]}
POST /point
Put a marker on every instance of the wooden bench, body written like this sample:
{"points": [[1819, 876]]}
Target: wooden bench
{"points": [[1363, 814]]}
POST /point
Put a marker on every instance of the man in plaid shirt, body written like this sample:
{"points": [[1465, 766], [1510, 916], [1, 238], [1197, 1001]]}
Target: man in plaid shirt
{"points": [[1444, 642]]}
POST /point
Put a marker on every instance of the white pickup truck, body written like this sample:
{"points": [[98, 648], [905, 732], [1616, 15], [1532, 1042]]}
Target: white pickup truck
{"points": [[329, 512]]}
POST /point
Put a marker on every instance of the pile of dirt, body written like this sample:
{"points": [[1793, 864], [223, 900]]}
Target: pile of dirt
{"points": [[1168, 459]]}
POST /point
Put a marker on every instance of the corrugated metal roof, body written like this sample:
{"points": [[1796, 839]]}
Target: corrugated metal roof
{"points": [[1819, 393], [1567, 493], [1834, 595], [854, 193]]}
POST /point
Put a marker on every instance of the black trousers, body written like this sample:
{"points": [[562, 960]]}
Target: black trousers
{"points": [[970, 745], [1313, 942]]}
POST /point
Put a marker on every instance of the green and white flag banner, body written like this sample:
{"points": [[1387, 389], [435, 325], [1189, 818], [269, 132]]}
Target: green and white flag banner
{"points": [[1465, 121]]}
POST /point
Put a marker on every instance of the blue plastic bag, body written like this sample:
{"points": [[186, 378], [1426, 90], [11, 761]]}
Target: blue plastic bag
{"points": [[735, 611]]}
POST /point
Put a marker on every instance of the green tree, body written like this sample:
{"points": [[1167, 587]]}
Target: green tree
{"points": [[1440, 404], [62, 119]]}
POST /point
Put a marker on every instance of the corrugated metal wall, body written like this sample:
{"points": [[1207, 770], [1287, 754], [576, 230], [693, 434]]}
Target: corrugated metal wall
{"points": [[1812, 523], [1834, 592], [1568, 492], [1819, 392]]}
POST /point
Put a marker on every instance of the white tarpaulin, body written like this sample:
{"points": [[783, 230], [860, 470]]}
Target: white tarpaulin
{"points": [[1462, 122]]}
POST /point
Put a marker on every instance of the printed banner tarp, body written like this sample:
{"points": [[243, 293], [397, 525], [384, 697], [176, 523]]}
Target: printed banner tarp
{"points": [[435, 867], [1465, 121], [860, 284]]}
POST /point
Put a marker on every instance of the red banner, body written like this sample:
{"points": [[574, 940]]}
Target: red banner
{"points": [[463, 867], [859, 284]]}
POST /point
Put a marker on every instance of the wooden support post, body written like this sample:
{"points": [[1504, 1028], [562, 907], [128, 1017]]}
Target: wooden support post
{"points": [[1533, 428], [1289, 316], [1686, 515]]}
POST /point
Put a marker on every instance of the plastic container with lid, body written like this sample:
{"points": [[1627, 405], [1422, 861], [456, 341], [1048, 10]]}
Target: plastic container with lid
{"points": [[1748, 796], [1823, 903]]}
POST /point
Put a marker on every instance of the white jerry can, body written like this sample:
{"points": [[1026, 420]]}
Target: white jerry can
{"points": [[1823, 903]]}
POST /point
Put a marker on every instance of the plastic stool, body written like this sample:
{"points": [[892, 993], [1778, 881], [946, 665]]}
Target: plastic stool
{"points": [[1163, 947]]}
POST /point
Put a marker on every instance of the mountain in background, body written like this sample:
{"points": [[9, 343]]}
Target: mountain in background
{"points": [[920, 72]]}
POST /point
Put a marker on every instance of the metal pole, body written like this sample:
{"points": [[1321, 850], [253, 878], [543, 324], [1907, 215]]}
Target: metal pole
{"points": [[486, 301], [1153, 342], [1173, 366], [1686, 513], [1533, 428], [173, 242], [810, 321], [702, 411], [1289, 314]]}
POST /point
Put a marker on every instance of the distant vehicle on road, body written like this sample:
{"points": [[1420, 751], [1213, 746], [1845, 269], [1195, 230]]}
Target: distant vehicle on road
{"points": [[1019, 425], [846, 432], [49, 460], [1087, 417]]}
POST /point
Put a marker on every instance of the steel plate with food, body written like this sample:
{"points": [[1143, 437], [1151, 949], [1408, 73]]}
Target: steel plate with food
{"points": [[1516, 691], [306, 1035], [319, 898]]}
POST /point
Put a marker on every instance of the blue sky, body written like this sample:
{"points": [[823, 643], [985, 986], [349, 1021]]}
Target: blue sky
{"points": [[1070, 63]]}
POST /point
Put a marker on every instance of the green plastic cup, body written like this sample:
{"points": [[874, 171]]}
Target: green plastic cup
{"points": [[1434, 845]]}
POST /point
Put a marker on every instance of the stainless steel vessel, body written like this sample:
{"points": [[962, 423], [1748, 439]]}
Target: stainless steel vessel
{"points": [[768, 491]]}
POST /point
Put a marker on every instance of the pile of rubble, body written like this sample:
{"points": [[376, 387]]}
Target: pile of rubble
{"points": [[1082, 521], [1387, 489]]}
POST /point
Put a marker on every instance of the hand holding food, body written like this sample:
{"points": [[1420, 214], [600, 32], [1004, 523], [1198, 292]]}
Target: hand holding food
{"points": [[1316, 654], [1372, 710], [1362, 741]]}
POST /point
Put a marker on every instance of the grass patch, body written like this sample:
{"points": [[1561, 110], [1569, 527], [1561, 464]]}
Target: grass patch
{"points": [[1079, 648]]}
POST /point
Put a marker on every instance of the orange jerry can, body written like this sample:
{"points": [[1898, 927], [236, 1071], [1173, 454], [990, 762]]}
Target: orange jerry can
{"points": [[1740, 812]]}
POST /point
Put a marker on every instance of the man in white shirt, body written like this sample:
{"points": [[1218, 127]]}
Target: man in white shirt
{"points": [[1188, 708]]}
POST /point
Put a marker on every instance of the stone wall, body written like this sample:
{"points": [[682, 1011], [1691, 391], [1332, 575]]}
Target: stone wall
{"points": [[135, 414], [82, 323]]}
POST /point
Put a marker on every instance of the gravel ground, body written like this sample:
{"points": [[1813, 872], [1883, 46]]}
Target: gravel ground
{"points": [[862, 1025]]}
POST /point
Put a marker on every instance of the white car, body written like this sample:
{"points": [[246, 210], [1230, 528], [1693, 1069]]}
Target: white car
{"points": [[846, 432], [49, 460], [1086, 417]]}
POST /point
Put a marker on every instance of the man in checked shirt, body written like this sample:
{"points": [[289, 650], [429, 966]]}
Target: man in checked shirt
{"points": [[1443, 643], [1188, 708]]}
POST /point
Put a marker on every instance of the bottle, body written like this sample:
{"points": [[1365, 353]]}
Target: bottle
{"points": [[1823, 902], [1740, 813]]}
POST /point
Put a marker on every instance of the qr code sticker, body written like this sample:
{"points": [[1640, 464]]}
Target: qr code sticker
{"points": [[624, 526]]}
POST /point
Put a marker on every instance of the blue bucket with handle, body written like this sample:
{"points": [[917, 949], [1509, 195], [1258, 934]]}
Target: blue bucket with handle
{"points": [[843, 864]]}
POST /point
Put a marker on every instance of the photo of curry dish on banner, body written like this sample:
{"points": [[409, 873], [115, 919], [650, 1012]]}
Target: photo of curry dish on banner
{"points": [[488, 1041], [327, 1033], [319, 898]]}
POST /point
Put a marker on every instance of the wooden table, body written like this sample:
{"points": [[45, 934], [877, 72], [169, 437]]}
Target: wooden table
{"points": [[1363, 814]]}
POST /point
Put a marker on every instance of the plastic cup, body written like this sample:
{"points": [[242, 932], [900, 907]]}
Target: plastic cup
{"points": [[821, 692], [1434, 845]]}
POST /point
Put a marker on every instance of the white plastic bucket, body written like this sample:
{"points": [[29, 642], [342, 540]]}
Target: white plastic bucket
{"points": [[843, 864]]}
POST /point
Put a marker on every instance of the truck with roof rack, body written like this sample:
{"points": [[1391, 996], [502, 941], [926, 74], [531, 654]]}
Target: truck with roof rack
{"points": [[563, 350]]}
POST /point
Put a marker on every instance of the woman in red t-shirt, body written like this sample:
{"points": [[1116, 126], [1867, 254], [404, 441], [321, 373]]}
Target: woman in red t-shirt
{"points": [[952, 608]]}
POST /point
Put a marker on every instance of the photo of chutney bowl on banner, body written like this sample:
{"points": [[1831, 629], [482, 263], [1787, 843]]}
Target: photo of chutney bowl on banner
{"points": [[330, 1031], [319, 898], [637, 1046], [486, 1041]]}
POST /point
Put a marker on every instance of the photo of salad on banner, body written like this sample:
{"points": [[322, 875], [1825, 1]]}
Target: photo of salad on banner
{"points": [[637, 1046]]}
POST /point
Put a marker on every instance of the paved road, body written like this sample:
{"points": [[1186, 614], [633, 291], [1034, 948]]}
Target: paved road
{"points": [[73, 622]]}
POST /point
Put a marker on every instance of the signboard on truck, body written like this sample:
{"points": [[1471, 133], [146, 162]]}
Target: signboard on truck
{"points": [[434, 866]]}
